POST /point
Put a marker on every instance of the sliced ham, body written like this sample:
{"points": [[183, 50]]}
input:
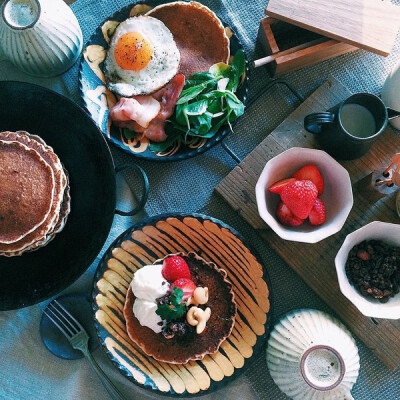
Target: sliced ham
{"points": [[147, 115]]}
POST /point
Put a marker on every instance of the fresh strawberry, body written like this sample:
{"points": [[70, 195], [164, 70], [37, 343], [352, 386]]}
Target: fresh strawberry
{"points": [[175, 267], [286, 217], [186, 285], [299, 196], [317, 214], [277, 187], [311, 173]]}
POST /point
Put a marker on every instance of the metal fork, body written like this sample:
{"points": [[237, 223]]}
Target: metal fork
{"points": [[78, 337]]}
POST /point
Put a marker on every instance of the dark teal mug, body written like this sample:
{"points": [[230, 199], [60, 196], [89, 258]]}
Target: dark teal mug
{"points": [[347, 130]]}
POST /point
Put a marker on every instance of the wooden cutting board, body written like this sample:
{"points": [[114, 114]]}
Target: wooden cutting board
{"points": [[368, 24], [315, 262]]}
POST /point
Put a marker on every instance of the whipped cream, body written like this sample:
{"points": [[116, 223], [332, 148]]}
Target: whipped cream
{"points": [[145, 312], [149, 284]]}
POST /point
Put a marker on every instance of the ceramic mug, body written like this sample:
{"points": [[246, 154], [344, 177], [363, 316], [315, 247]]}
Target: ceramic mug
{"points": [[347, 130]]}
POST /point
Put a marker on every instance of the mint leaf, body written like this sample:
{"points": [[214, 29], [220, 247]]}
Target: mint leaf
{"points": [[176, 296], [170, 314], [175, 309]]}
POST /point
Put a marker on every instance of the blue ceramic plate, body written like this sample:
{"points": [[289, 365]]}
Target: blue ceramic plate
{"points": [[215, 241], [97, 98]]}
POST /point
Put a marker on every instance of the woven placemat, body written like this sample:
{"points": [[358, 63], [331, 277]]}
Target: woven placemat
{"points": [[188, 187]]}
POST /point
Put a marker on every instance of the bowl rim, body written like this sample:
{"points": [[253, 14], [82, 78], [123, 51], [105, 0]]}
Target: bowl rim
{"points": [[321, 232], [367, 307]]}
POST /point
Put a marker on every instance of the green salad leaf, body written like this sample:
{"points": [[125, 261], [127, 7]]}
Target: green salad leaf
{"points": [[175, 308], [208, 100]]}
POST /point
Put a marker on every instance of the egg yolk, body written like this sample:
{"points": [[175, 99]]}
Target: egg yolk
{"points": [[132, 52]]}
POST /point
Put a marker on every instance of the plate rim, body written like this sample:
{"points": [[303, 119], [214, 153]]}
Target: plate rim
{"points": [[108, 154], [261, 342], [216, 139]]}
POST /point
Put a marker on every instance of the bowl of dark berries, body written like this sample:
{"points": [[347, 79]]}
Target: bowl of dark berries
{"points": [[304, 195], [368, 269]]}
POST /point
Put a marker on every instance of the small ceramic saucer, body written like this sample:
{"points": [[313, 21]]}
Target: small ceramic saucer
{"points": [[79, 306], [311, 355]]}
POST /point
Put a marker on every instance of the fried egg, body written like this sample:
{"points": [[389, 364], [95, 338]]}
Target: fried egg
{"points": [[142, 57]]}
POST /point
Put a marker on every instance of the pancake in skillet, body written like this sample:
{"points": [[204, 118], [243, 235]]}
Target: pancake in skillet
{"points": [[26, 191], [62, 220], [59, 226], [57, 217], [198, 33], [46, 152]]}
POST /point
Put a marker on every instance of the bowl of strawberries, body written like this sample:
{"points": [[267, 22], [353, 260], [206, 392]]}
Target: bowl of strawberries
{"points": [[304, 195]]}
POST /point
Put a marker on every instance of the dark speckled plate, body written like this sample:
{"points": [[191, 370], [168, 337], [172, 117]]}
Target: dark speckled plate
{"points": [[213, 240], [97, 98]]}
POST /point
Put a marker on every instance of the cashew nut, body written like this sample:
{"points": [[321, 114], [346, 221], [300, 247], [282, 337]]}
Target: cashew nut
{"points": [[198, 318], [199, 296]]}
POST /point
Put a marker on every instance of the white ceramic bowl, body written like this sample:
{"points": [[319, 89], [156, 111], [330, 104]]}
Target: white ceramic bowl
{"points": [[337, 196], [311, 355], [389, 233]]}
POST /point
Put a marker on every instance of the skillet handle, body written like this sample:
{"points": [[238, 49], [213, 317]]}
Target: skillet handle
{"points": [[145, 188]]}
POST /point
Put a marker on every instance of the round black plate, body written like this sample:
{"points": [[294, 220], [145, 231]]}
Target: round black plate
{"points": [[33, 277], [130, 361], [95, 97]]}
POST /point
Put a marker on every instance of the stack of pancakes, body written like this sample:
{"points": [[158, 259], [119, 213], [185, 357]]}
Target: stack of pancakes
{"points": [[34, 193]]}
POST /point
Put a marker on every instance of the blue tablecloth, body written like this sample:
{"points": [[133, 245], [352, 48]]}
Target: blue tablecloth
{"points": [[29, 371]]}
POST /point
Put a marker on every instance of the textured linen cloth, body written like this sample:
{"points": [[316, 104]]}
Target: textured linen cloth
{"points": [[29, 371]]}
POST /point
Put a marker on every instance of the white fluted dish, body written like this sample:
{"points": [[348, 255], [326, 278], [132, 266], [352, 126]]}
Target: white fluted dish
{"points": [[41, 37], [337, 196], [312, 355], [376, 230]]}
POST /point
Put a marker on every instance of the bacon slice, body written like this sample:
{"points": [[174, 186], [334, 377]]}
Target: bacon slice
{"points": [[147, 115], [142, 109], [168, 96]]}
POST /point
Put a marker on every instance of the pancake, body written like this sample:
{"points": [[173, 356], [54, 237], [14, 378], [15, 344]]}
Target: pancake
{"points": [[47, 153], [65, 207], [219, 326], [26, 191], [198, 33], [36, 143], [62, 220]]}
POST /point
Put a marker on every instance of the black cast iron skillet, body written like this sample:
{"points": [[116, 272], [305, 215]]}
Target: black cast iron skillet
{"points": [[36, 276]]}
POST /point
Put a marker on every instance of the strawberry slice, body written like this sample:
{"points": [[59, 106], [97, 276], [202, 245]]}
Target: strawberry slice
{"points": [[317, 214], [175, 267], [286, 217], [186, 285], [311, 172], [299, 196], [277, 187]]}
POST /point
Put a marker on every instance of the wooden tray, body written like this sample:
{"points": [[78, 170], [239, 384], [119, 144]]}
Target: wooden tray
{"points": [[315, 262], [368, 24]]}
